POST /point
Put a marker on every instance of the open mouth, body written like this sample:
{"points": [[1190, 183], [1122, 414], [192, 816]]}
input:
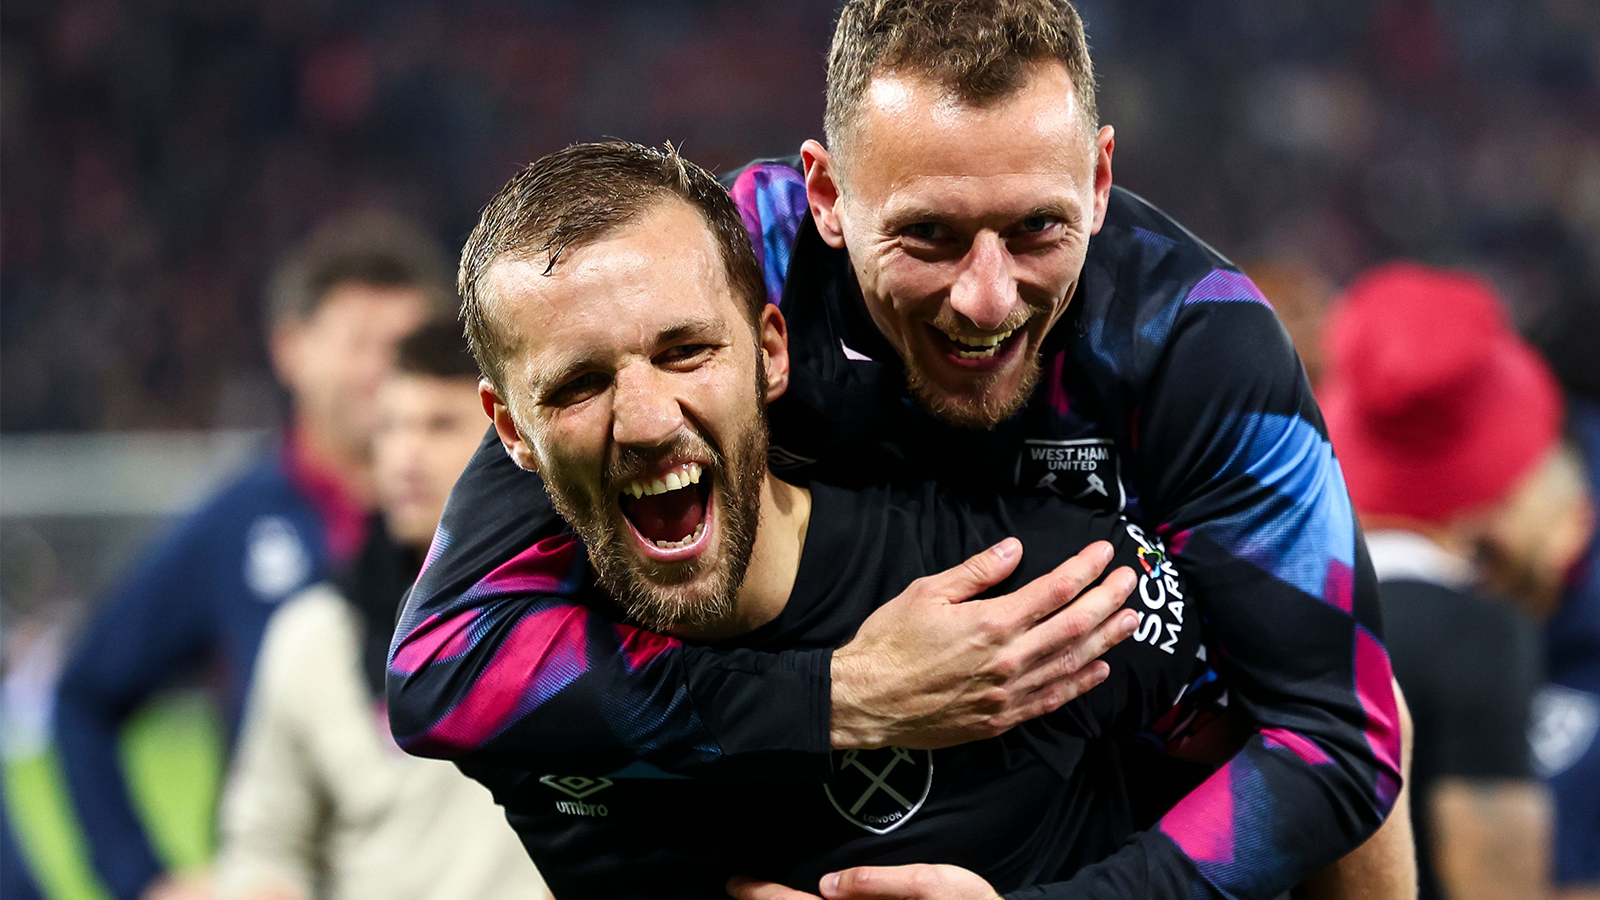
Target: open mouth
{"points": [[977, 350], [670, 511]]}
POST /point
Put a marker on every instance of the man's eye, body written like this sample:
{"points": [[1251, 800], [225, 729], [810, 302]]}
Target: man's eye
{"points": [[577, 390], [1039, 224], [683, 353], [926, 231]]}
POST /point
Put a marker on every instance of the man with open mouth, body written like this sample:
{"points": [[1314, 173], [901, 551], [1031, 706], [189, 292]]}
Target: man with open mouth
{"points": [[639, 355], [968, 299]]}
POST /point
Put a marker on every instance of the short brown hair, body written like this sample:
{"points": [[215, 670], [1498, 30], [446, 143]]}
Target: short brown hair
{"points": [[978, 49], [577, 195], [437, 349], [367, 248]]}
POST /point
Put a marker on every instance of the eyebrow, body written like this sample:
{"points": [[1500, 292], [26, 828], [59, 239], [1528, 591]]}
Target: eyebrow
{"points": [[709, 328], [911, 215]]}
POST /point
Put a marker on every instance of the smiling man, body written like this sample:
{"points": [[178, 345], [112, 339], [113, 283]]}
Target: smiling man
{"points": [[635, 358], [970, 299]]}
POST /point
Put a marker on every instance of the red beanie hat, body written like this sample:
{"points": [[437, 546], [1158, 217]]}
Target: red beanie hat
{"points": [[1435, 406]]}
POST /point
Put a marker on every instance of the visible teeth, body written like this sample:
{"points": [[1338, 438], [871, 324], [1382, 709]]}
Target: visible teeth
{"points": [[989, 341], [685, 475], [683, 542]]}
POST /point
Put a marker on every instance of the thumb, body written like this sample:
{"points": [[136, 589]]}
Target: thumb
{"points": [[976, 573]]}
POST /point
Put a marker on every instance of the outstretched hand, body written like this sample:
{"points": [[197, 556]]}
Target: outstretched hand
{"points": [[914, 882]]}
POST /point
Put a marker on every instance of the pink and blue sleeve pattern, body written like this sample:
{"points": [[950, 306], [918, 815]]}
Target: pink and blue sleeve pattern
{"points": [[771, 198], [1240, 471]]}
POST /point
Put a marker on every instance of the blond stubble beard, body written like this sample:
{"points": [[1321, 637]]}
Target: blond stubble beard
{"points": [[983, 413]]}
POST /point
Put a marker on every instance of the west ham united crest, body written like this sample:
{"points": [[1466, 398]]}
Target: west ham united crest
{"points": [[1086, 471], [880, 789]]}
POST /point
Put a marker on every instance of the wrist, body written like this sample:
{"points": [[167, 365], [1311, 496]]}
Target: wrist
{"points": [[849, 725]]}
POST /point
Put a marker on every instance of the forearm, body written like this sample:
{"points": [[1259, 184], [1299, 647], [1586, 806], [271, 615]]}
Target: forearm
{"points": [[1385, 867], [544, 683]]}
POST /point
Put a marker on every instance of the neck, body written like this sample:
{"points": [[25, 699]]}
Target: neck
{"points": [[774, 561]]}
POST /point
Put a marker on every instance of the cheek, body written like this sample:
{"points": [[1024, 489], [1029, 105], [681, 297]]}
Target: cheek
{"points": [[907, 286], [571, 447]]}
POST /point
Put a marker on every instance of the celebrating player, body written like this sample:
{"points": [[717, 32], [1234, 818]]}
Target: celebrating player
{"points": [[647, 352], [969, 298]]}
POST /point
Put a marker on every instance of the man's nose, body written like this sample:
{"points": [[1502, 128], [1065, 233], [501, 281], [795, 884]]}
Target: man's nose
{"points": [[985, 291], [645, 412]]}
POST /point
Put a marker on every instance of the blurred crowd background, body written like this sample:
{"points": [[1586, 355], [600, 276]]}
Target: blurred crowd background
{"points": [[160, 155]]}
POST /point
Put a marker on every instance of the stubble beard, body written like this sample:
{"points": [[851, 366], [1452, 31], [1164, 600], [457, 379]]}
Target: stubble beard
{"points": [[981, 412], [699, 594]]}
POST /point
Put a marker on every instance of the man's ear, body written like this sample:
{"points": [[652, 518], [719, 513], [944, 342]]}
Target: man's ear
{"points": [[285, 345], [499, 413], [773, 332], [1105, 143], [822, 191]]}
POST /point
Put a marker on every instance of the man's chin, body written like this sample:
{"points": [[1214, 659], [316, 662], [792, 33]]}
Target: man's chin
{"points": [[671, 598], [980, 406], [971, 397]]}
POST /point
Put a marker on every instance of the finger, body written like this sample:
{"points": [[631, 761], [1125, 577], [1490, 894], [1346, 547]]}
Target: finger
{"points": [[1059, 633], [1048, 593], [1055, 695], [912, 882], [977, 573], [1050, 668], [741, 888]]}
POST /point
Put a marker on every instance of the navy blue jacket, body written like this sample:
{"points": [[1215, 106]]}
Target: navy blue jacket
{"points": [[200, 598]]}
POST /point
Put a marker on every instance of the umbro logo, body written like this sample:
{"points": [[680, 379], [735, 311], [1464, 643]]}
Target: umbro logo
{"points": [[576, 786], [879, 790]]}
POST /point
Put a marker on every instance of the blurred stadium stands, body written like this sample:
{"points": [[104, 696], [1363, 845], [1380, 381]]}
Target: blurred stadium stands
{"points": [[158, 154]]}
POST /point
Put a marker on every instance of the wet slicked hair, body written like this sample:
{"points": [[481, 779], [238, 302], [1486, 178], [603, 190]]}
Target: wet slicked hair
{"points": [[576, 196], [979, 50]]}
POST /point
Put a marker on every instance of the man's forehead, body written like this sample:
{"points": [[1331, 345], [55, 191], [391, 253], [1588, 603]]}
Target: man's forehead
{"points": [[912, 128], [614, 294]]}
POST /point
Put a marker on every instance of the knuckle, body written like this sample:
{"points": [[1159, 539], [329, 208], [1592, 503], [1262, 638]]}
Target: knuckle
{"points": [[976, 567], [992, 630], [994, 700], [1005, 669]]}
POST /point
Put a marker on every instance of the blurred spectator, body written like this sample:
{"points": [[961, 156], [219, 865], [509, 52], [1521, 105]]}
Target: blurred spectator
{"points": [[1448, 428], [204, 594], [320, 796], [1567, 711]]}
